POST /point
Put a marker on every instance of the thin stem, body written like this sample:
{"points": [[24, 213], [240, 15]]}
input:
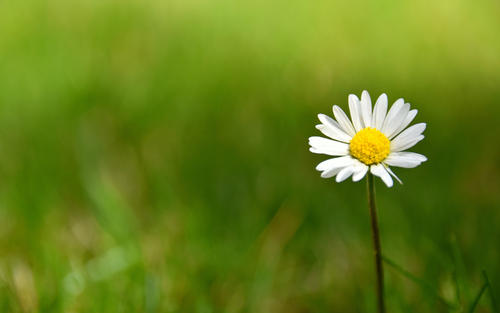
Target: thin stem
{"points": [[376, 243], [478, 297], [492, 295], [422, 283]]}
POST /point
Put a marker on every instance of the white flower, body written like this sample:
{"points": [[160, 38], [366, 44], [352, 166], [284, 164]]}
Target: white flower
{"points": [[373, 141]]}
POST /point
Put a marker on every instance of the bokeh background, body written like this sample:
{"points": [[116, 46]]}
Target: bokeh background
{"points": [[154, 157]]}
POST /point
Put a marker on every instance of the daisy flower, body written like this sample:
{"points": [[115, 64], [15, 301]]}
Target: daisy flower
{"points": [[372, 140]]}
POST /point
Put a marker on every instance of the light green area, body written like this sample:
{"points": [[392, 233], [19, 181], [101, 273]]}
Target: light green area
{"points": [[154, 157]]}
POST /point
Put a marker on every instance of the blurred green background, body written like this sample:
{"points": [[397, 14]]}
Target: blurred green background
{"points": [[154, 157]]}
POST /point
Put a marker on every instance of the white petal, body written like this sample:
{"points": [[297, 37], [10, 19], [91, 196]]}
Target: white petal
{"points": [[405, 159], [366, 109], [332, 129], [335, 163], [355, 109], [360, 172], [343, 120], [327, 146], [379, 111], [333, 166], [393, 175], [392, 112], [344, 174], [412, 132], [379, 170], [409, 118], [396, 121], [330, 173], [329, 132], [407, 136], [408, 145]]}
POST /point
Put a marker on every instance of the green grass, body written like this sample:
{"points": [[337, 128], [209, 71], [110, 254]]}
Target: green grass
{"points": [[153, 156]]}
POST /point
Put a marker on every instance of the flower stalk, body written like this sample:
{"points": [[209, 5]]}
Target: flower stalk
{"points": [[376, 243]]}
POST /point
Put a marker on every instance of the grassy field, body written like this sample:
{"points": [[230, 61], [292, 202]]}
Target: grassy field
{"points": [[154, 157]]}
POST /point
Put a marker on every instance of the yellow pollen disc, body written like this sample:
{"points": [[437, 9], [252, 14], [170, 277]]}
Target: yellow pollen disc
{"points": [[370, 146]]}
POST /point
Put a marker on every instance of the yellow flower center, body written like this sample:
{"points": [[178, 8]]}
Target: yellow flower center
{"points": [[370, 146]]}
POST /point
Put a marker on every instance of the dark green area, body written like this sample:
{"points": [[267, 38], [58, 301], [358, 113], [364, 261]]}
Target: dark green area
{"points": [[154, 157]]}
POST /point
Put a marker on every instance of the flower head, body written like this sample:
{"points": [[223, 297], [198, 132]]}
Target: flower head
{"points": [[374, 140]]}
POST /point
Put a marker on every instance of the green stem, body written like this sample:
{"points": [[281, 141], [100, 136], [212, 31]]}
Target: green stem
{"points": [[478, 297], [376, 243], [494, 306], [425, 286]]}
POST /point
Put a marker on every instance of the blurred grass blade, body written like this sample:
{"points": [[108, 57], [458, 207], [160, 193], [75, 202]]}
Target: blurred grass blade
{"points": [[458, 295], [422, 283], [494, 306], [109, 207], [107, 201], [478, 297], [463, 290]]}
